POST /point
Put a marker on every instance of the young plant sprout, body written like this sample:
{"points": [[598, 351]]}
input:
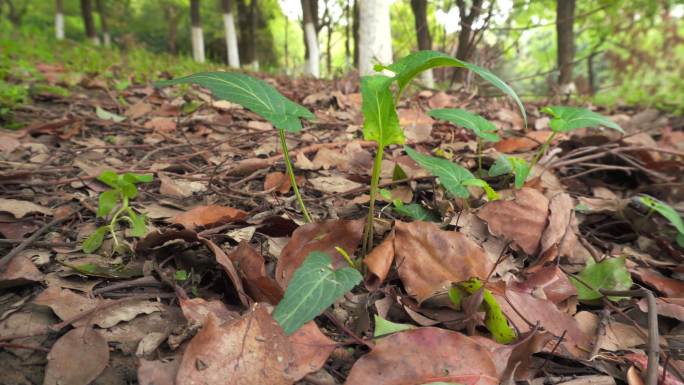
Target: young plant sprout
{"points": [[264, 100], [122, 190]]}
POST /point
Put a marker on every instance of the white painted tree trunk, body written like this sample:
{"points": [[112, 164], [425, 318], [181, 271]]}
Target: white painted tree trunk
{"points": [[312, 65], [427, 79], [95, 40], [197, 44], [231, 40], [375, 36], [107, 39], [59, 26]]}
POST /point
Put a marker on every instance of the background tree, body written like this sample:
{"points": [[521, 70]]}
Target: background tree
{"points": [[172, 14], [231, 36], [88, 22], [59, 19], [197, 34], [565, 20], [312, 65], [419, 8], [102, 12], [469, 36], [375, 36]]}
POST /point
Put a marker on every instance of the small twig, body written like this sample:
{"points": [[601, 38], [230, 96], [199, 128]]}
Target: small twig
{"points": [[7, 345], [345, 329], [26, 243]]}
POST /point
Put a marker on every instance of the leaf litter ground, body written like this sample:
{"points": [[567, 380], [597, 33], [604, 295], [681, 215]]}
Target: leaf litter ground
{"points": [[225, 237]]}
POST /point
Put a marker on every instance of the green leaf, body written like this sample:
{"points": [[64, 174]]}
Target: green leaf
{"points": [[94, 241], [417, 212], [609, 274], [128, 189], [495, 321], [180, 275], [380, 123], [251, 93], [571, 118], [491, 194], [398, 173], [384, 327], [407, 68], [138, 223], [511, 165], [106, 115], [137, 178], [314, 286], [110, 178], [107, 202], [668, 212], [480, 126], [450, 175]]}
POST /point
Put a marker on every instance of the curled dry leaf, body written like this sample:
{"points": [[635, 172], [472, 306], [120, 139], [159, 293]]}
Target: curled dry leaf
{"points": [[559, 237], [310, 349], [278, 181], [378, 262], [228, 267], [21, 208], [207, 216], [77, 358], [532, 140], [196, 310], [318, 237], [178, 188], [668, 307], [425, 355], [521, 220], [551, 281], [670, 287], [429, 259], [250, 265], [19, 271]]}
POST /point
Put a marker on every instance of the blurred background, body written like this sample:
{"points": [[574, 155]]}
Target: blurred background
{"points": [[606, 52]]}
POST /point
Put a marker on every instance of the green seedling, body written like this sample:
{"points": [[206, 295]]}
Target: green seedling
{"points": [[511, 165], [609, 274], [116, 200], [484, 130], [381, 123], [261, 98], [412, 210], [566, 119], [668, 212]]}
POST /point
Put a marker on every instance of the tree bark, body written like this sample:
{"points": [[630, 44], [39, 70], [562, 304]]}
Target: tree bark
{"points": [[253, 22], [312, 66], [419, 8], [231, 36], [565, 20], [375, 36], [101, 11], [172, 14], [59, 19], [197, 35], [89, 24], [355, 32], [465, 36]]}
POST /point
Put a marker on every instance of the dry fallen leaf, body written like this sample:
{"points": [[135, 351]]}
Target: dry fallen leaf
{"points": [[77, 358], [197, 309], [333, 184], [530, 141], [251, 350], [178, 188], [615, 335], [250, 264], [378, 262], [521, 220], [425, 355], [318, 237], [21, 208], [417, 125], [161, 124], [207, 216], [138, 110], [158, 372], [670, 287], [551, 281], [19, 271], [278, 181], [429, 260], [559, 237], [310, 350]]}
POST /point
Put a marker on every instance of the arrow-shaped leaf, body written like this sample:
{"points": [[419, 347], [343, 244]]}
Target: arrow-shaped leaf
{"points": [[251, 93], [381, 123], [482, 127], [314, 286], [511, 165], [410, 66], [571, 118]]}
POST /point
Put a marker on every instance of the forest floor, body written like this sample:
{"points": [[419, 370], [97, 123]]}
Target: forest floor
{"points": [[189, 302]]}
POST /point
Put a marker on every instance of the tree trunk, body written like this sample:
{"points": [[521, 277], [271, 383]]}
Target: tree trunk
{"points": [[59, 19], [347, 36], [87, 13], [253, 21], [419, 8], [197, 35], [312, 66], [565, 20], [375, 36], [106, 38], [465, 36], [172, 15], [355, 32], [232, 53], [591, 76]]}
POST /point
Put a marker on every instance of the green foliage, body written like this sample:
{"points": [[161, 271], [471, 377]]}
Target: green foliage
{"points": [[381, 123], [483, 128], [495, 320], [571, 118], [251, 93], [384, 327], [668, 212], [454, 178], [410, 66], [122, 190], [415, 211], [106, 115], [314, 286], [609, 274], [511, 165]]}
